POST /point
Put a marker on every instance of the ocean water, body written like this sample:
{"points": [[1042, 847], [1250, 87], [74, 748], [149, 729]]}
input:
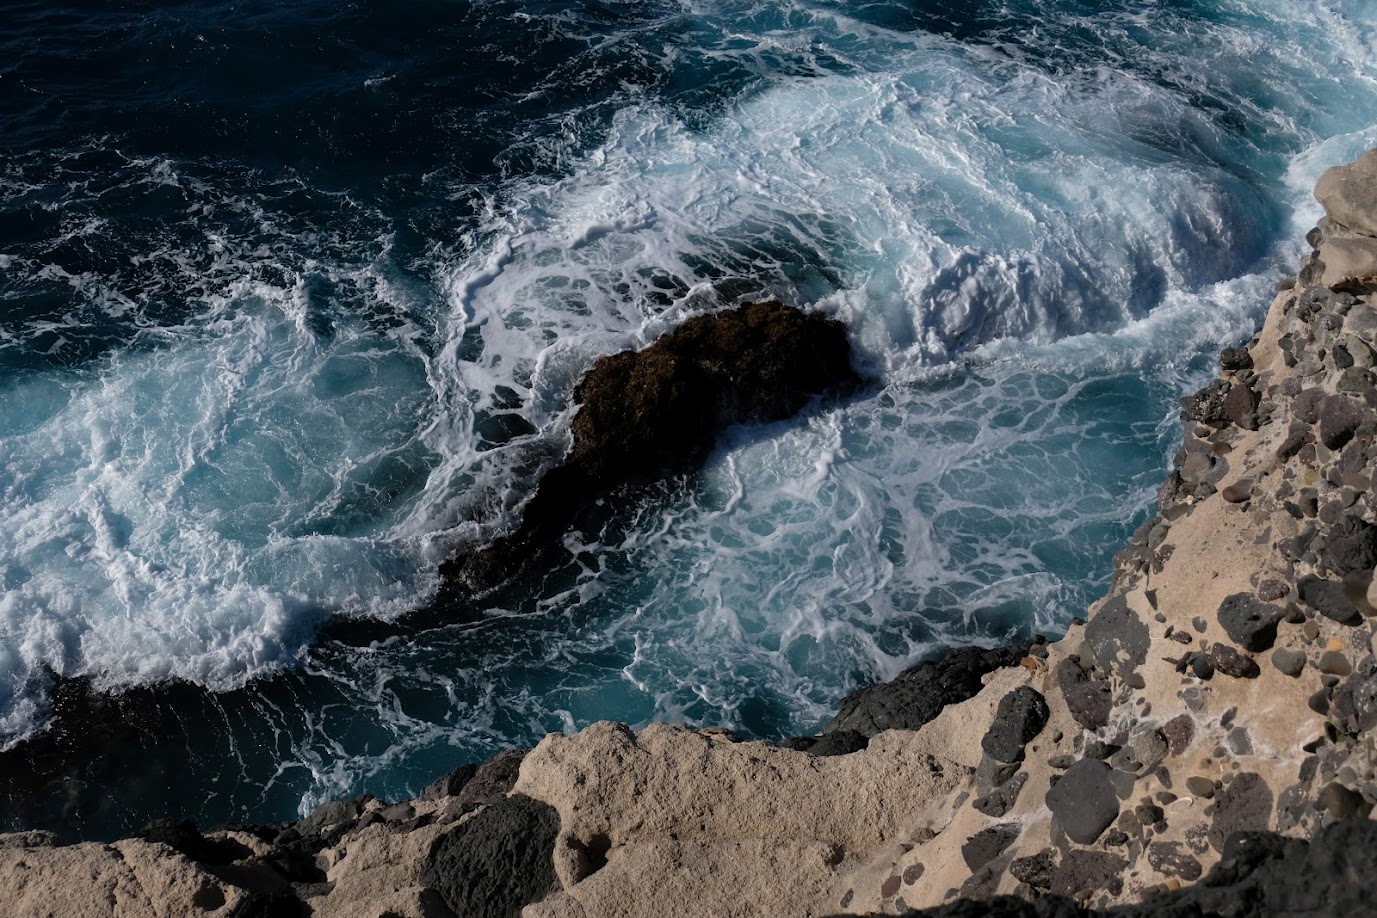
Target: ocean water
{"points": [[293, 298]]}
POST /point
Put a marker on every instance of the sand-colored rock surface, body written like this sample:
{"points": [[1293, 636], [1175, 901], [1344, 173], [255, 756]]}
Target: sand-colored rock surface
{"points": [[1180, 748]]}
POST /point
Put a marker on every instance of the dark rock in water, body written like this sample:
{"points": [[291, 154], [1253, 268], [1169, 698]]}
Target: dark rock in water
{"points": [[498, 861], [1351, 547], [1327, 598], [1249, 622], [495, 779], [1084, 801], [1118, 638], [643, 413], [1087, 698], [919, 693], [451, 784], [988, 844], [1244, 805], [1021, 716]]}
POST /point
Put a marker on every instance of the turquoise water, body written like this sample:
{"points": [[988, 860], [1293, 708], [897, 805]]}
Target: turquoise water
{"points": [[298, 311]]}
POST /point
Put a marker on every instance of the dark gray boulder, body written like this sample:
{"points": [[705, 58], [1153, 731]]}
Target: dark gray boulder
{"points": [[497, 862], [919, 693], [1087, 697], [1021, 716], [1327, 598], [1084, 801], [1249, 622]]}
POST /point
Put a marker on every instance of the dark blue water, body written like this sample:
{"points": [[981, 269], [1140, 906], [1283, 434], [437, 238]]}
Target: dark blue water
{"points": [[293, 298]]}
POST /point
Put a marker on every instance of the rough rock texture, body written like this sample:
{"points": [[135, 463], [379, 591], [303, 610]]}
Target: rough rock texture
{"points": [[644, 413], [1206, 744]]}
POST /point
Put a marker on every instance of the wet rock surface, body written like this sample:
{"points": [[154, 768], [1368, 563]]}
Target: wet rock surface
{"points": [[643, 414]]}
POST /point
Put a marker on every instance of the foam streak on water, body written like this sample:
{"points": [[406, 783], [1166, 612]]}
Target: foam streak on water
{"points": [[241, 398]]}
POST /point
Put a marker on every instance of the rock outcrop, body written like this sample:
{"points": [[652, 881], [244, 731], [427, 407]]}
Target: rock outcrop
{"points": [[1203, 744], [646, 413]]}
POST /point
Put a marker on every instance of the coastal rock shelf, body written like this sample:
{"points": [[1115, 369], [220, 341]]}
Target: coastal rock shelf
{"points": [[1202, 744]]}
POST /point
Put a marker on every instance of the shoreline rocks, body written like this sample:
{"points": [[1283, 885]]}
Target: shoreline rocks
{"points": [[1203, 744]]}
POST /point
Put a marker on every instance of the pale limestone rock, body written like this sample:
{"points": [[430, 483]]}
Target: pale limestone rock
{"points": [[1349, 259], [1349, 194], [729, 828], [129, 879]]}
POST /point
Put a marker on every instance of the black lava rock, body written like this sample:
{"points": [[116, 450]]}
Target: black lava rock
{"points": [[1087, 697], [1021, 716], [498, 861], [1249, 622], [988, 844], [1327, 598], [919, 693], [1084, 801], [1352, 547]]}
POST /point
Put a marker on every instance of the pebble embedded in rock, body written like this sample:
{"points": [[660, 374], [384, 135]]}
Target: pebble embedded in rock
{"points": [[1339, 417], [1230, 662], [1200, 786], [1084, 801], [988, 844], [1239, 491], [1087, 697], [1244, 806], [1248, 622], [1035, 870], [1334, 663], [1288, 662], [1169, 859], [1179, 731], [1022, 714], [1327, 598]]}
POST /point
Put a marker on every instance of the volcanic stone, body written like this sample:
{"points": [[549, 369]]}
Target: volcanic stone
{"points": [[1087, 698], [1084, 801], [1244, 805], [988, 844], [919, 693], [1117, 637], [1288, 662], [1230, 662], [1352, 547], [1327, 598], [1021, 716], [1249, 622], [498, 861], [1339, 417]]}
